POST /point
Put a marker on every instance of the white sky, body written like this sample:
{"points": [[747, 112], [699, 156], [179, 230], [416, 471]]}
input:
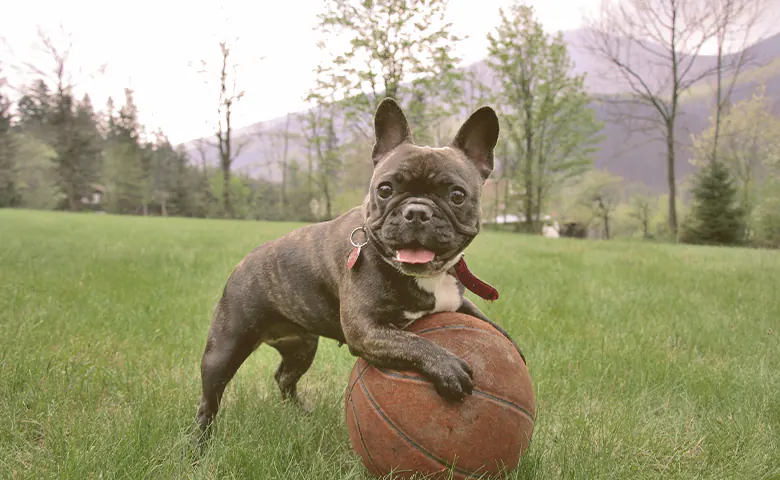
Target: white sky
{"points": [[151, 46]]}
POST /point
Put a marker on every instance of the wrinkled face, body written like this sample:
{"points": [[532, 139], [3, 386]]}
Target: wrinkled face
{"points": [[424, 207]]}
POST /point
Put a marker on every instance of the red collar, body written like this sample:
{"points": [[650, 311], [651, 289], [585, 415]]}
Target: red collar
{"points": [[470, 281]]}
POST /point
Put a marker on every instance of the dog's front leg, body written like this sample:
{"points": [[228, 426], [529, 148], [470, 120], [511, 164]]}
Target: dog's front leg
{"points": [[386, 346], [469, 308]]}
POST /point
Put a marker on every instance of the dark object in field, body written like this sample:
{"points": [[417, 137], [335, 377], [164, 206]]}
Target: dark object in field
{"points": [[397, 422], [574, 230], [363, 277]]}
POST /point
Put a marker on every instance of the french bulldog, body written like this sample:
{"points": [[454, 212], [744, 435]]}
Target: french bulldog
{"points": [[363, 277]]}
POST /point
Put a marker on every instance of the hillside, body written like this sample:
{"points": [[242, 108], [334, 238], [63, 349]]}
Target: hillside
{"points": [[637, 156]]}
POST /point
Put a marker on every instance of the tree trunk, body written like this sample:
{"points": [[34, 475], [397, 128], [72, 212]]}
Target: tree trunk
{"points": [[164, 207], [495, 200], [718, 99], [670, 167], [309, 185], [71, 194], [529, 164], [538, 208], [328, 206], [506, 199], [282, 193], [226, 192], [606, 227], [528, 201], [284, 165]]}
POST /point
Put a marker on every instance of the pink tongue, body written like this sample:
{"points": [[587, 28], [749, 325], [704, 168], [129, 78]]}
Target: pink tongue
{"points": [[414, 256]]}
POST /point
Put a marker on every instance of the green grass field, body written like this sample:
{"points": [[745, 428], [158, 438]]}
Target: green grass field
{"points": [[649, 361]]}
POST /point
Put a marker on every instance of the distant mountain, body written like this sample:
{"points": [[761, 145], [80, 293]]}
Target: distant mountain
{"points": [[636, 156]]}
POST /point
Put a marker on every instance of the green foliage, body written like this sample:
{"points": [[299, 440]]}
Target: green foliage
{"points": [[397, 48], [748, 146], [73, 128], [715, 217], [601, 193], [123, 179], [643, 206], [34, 111], [767, 216], [325, 156], [9, 194], [36, 174], [124, 172], [239, 194], [550, 126]]}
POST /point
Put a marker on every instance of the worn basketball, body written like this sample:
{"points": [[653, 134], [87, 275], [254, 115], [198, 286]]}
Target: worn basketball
{"points": [[399, 423]]}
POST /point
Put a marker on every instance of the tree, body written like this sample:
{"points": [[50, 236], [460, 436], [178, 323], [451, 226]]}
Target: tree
{"points": [[182, 181], [279, 154], [715, 217], [397, 48], [168, 175], [9, 195], [549, 122], [643, 206], [36, 173], [34, 111], [320, 134], [601, 192], [124, 175], [652, 47], [749, 138], [735, 21], [767, 216], [70, 125], [229, 149]]}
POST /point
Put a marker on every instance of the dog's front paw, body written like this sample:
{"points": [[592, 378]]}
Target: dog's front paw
{"points": [[452, 377]]}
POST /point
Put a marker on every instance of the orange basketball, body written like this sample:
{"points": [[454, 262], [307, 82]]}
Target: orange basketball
{"points": [[398, 423]]}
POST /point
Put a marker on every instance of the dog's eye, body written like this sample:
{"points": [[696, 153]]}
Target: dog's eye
{"points": [[385, 190], [458, 196]]}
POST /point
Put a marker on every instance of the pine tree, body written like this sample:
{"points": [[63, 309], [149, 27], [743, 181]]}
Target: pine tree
{"points": [[123, 172], [715, 218], [34, 111], [86, 147], [8, 192]]}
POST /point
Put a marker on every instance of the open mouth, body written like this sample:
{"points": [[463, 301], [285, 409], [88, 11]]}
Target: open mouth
{"points": [[414, 256]]}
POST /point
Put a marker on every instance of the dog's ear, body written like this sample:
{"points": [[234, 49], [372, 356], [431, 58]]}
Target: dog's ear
{"points": [[390, 127], [477, 138]]}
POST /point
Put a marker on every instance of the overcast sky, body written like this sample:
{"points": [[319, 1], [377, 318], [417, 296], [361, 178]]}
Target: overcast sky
{"points": [[151, 46]]}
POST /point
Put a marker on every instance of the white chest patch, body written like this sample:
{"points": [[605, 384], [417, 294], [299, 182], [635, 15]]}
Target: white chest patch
{"points": [[445, 292]]}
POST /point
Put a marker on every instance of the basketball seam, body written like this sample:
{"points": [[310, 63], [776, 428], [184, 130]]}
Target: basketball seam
{"points": [[360, 432], [359, 371], [462, 327], [404, 435], [478, 392]]}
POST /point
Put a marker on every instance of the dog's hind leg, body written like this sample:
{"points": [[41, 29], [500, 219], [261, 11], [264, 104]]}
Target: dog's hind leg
{"points": [[298, 354], [229, 344]]}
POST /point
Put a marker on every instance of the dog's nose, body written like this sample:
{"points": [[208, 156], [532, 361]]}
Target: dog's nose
{"points": [[417, 212]]}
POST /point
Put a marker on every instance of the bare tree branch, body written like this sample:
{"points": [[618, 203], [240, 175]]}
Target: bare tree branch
{"points": [[669, 36]]}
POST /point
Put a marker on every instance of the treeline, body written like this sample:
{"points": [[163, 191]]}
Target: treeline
{"points": [[57, 152]]}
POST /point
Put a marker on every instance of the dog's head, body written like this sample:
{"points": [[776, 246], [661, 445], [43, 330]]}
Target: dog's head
{"points": [[423, 206]]}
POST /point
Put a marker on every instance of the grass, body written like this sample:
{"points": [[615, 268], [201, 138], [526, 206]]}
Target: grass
{"points": [[649, 361]]}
